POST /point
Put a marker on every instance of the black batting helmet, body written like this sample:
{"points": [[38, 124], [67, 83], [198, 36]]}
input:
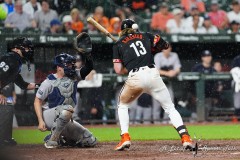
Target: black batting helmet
{"points": [[128, 23]]}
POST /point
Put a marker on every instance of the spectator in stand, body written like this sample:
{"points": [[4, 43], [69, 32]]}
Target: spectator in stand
{"points": [[120, 13], [189, 20], [159, 19], [8, 6], [195, 28], [91, 29], [207, 24], [175, 25], [61, 5], [31, 7], [100, 18], [45, 16], [234, 15], [67, 25], [218, 17], [115, 26], [55, 27], [19, 19], [77, 24], [234, 27], [188, 4], [138, 4]]}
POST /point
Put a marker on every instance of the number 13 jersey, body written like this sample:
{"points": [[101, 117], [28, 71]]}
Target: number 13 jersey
{"points": [[134, 50]]}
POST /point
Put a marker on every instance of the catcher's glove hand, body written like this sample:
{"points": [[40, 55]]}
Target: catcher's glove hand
{"points": [[83, 43]]}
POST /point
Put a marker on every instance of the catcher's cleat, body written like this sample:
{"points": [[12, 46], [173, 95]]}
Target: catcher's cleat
{"points": [[51, 144], [188, 143], [124, 143]]}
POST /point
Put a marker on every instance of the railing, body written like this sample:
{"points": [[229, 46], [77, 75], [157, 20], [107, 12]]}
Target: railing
{"points": [[186, 76]]}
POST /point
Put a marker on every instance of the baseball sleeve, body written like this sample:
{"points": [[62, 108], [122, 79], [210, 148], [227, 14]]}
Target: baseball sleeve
{"points": [[44, 90], [20, 82], [116, 55]]}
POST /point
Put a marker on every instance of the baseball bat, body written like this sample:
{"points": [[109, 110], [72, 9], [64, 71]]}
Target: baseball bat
{"points": [[101, 28]]}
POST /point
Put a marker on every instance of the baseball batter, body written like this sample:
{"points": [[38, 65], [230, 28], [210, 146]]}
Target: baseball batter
{"points": [[60, 91], [133, 54]]}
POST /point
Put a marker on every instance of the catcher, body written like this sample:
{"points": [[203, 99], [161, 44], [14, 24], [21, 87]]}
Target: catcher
{"points": [[133, 54], [60, 91]]}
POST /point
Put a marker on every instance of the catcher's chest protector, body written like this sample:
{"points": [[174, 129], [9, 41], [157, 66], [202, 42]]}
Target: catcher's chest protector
{"points": [[64, 91]]}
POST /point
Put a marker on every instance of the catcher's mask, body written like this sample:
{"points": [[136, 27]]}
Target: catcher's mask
{"points": [[83, 43], [67, 62]]}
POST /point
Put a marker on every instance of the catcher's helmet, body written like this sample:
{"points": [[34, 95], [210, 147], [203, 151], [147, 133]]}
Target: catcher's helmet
{"points": [[67, 62], [128, 23], [23, 43]]}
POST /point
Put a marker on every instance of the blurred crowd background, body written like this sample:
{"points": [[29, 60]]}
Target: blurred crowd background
{"points": [[98, 105], [164, 16]]}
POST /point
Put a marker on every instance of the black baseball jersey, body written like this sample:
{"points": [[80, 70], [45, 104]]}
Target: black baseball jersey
{"points": [[10, 67], [134, 50]]}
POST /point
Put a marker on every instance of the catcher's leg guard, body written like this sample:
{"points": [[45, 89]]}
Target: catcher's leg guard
{"points": [[63, 116], [76, 135], [6, 120]]}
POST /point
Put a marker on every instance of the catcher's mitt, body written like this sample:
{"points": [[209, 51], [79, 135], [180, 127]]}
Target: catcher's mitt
{"points": [[83, 43]]}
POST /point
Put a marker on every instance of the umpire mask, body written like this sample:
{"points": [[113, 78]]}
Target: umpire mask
{"points": [[25, 46]]}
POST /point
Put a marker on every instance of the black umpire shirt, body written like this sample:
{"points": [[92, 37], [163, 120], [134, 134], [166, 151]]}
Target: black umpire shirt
{"points": [[134, 50], [10, 67]]}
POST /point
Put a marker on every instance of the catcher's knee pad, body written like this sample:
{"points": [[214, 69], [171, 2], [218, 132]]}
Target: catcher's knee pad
{"points": [[65, 112], [87, 140], [63, 116]]}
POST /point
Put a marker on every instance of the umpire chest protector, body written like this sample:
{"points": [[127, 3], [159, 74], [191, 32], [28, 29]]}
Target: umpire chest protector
{"points": [[64, 91]]}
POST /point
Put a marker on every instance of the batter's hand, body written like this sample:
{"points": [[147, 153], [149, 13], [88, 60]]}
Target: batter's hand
{"points": [[3, 99], [42, 126]]}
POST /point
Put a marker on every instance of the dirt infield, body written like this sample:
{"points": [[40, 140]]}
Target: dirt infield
{"points": [[144, 150]]}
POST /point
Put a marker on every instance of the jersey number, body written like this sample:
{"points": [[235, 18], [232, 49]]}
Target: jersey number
{"points": [[4, 66], [138, 48]]}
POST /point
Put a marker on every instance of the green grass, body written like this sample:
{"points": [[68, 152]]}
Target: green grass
{"points": [[210, 132]]}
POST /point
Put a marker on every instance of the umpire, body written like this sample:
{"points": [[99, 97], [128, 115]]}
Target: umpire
{"points": [[20, 50]]}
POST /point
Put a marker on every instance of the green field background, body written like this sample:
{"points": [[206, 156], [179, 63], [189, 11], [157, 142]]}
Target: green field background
{"points": [[106, 133]]}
